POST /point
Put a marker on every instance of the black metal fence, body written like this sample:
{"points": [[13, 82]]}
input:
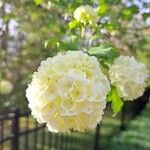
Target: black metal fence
{"points": [[19, 131]]}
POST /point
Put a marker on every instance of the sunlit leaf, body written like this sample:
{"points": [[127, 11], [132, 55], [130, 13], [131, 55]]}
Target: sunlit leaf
{"points": [[73, 24], [102, 9], [116, 101], [104, 53], [38, 2], [111, 26]]}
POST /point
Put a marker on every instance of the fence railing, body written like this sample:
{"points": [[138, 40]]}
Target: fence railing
{"points": [[11, 129], [19, 131]]}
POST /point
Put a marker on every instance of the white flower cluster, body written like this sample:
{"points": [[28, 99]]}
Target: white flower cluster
{"points": [[6, 87], [129, 77], [85, 14], [68, 92]]}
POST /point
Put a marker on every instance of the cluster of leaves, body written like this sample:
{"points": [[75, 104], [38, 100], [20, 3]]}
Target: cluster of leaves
{"points": [[106, 56]]}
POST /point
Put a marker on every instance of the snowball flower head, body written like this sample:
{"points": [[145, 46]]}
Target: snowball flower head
{"points": [[129, 77], [85, 14], [68, 92], [6, 87]]}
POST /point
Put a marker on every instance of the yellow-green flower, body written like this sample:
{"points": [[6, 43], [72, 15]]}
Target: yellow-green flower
{"points": [[85, 14]]}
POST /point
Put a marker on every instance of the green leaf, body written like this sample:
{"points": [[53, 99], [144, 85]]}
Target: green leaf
{"points": [[71, 43], [146, 15], [129, 12], [73, 24], [106, 54], [38, 2], [102, 8], [116, 101], [111, 26]]}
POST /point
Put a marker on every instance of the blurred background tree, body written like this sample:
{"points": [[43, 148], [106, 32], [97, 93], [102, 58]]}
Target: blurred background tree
{"points": [[32, 30]]}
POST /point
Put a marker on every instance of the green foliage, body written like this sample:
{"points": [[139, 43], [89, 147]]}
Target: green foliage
{"points": [[116, 101], [137, 135], [70, 43], [73, 24], [129, 12], [102, 8], [146, 15], [38, 2], [105, 54]]}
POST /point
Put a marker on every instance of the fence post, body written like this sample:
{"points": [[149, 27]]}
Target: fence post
{"points": [[97, 136], [15, 130]]}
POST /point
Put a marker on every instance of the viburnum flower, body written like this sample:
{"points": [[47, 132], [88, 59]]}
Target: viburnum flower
{"points": [[129, 77], [85, 14], [68, 92], [6, 87]]}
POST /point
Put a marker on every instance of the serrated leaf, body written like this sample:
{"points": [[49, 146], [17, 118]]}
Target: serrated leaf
{"points": [[106, 54], [73, 24], [116, 101], [38, 2]]}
